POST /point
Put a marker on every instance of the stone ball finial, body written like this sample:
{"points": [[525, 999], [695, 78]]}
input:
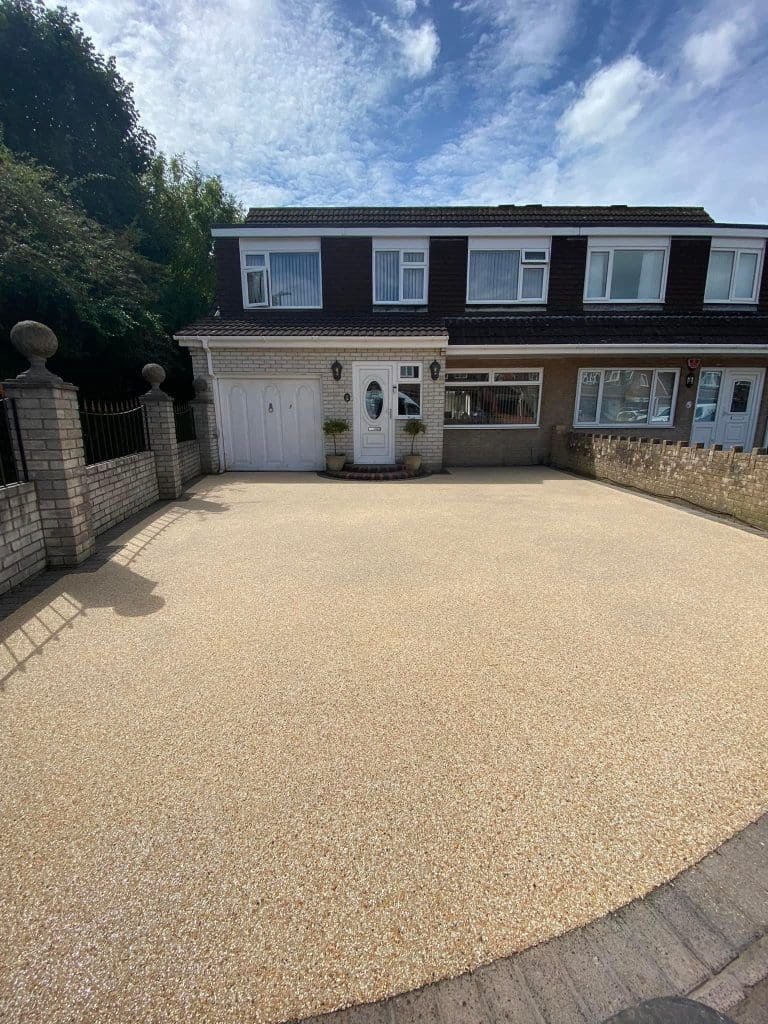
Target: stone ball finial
{"points": [[154, 375], [200, 384], [37, 343]]}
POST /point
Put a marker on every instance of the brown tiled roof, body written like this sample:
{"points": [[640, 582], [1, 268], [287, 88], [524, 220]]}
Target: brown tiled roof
{"points": [[735, 328], [262, 325], [476, 216]]}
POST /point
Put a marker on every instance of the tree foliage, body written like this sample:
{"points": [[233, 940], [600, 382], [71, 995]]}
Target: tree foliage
{"points": [[67, 107], [101, 238]]}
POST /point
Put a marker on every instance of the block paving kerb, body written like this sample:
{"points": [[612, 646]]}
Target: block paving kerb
{"points": [[52, 518]]}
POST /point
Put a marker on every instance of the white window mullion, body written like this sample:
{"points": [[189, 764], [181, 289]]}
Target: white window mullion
{"points": [[600, 383]]}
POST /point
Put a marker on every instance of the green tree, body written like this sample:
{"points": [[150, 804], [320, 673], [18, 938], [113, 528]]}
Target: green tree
{"points": [[181, 206], [67, 107], [87, 282]]}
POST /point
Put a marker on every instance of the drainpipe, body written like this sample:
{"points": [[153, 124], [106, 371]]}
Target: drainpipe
{"points": [[216, 401]]}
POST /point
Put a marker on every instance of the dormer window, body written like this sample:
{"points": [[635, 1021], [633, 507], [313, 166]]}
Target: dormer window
{"points": [[732, 275], [400, 272], [501, 270], [280, 278], [632, 270]]}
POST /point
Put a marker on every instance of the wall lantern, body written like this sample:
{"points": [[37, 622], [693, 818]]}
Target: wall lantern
{"points": [[434, 369], [336, 369], [690, 377]]}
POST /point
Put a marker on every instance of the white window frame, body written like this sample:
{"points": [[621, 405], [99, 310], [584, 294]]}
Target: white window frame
{"points": [[638, 244], [401, 245], [520, 245], [603, 370], [256, 247], [492, 382], [738, 246], [409, 380]]}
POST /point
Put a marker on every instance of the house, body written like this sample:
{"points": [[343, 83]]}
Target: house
{"points": [[491, 324]]}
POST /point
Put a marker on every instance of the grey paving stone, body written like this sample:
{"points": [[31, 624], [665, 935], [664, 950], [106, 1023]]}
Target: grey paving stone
{"points": [[712, 948], [717, 908], [506, 994], [679, 964], [670, 1011], [419, 1007], [599, 988], [628, 959], [754, 1009], [551, 987], [460, 1002]]}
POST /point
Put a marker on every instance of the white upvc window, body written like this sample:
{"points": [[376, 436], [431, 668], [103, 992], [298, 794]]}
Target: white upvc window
{"points": [[276, 276], [400, 271], [408, 391], [506, 270], [484, 399], [622, 397], [733, 274], [626, 270]]}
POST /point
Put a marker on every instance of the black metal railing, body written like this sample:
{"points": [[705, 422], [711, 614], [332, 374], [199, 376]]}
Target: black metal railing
{"points": [[113, 429], [185, 422], [13, 463]]}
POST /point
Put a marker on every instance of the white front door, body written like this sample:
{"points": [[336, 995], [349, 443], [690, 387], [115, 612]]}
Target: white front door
{"points": [[727, 402], [271, 423], [374, 433]]}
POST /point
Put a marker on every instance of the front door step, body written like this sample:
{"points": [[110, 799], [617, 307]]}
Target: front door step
{"points": [[354, 471]]}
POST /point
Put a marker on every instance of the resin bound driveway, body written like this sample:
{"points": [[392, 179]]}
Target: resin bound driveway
{"points": [[293, 743]]}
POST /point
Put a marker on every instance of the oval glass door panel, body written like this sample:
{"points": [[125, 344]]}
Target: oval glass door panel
{"points": [[374, 400]]}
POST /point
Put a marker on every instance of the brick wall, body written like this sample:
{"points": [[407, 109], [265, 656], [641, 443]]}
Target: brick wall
{"points": [[121, 487], [347, 265], [22, 545], [316, 363], [189, 459], [566, 274], [732, 482], [447, 275], [687, 276]]}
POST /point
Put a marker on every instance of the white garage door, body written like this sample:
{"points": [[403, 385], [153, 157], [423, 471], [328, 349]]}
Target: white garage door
{"points": [[271, 423]]}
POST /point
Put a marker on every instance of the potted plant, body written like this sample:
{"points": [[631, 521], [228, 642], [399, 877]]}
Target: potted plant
{"points": [[332, 428], [413, 428]]}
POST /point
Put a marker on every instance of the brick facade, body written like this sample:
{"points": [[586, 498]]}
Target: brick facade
{"points": [[189, 460], [22, 543], [120, 488], [447, 275], [347, 267], [687, 277], [315, 363], [730, 482], [229, 289], [568, 261], [162, 440]]}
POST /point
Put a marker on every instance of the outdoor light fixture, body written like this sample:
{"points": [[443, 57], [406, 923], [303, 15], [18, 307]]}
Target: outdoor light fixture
{"points": [[690, 377], [434, 369], [336, 369]]}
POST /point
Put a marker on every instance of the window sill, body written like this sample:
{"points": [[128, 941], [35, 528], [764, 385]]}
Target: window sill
{"points": [[506, 307], [731, 306], [623, 426], [490, 426], [640, 304]]}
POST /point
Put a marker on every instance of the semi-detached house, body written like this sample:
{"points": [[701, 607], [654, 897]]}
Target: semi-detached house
{"points": [[491, 324]]}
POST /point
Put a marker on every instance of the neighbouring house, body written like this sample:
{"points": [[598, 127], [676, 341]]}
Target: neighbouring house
{"points": [[491, 324]]}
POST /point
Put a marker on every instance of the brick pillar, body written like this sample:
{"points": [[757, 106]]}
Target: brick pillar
{"points": [[162, 432], [205, 426], [49, 423]]}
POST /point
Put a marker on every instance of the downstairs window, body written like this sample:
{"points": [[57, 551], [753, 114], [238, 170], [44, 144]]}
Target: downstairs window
{"points": [[620, 398], [492, 398]]}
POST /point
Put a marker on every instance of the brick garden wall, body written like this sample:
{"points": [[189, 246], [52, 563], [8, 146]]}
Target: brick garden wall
{"points": [[121, 487], [731, 482], [189, 460], [22, 545]]}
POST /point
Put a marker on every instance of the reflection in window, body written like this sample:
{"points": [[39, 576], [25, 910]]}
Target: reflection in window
{"points": [[512, 400], [740, 397], [374, 400], [708, 394], [624, 396]]}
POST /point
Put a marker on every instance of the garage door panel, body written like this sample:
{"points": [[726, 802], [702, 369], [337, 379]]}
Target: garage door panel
{"points": [[271, 424]]}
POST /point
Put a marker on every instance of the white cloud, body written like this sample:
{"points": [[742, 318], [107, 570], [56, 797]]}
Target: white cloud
{"points": [[405, 8], [611, 100], [420, 46], [713, 54]]}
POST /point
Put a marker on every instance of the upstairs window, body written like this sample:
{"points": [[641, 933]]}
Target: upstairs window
{"points": [[732, 275], [622, 398], [288, 280], [625, 273], [400, 273], [503, 274]]}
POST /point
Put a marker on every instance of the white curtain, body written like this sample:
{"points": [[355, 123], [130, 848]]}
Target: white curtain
{"points": [[295, 278], [387, 276], [493, 275]]}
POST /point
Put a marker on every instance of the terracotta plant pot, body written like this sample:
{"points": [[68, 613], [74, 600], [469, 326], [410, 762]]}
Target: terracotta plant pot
{"points": [[335, 463], [412, 463]]}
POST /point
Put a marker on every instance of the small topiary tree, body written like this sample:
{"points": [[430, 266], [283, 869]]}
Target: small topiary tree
{"points": [[413, 428], [332, 428]]}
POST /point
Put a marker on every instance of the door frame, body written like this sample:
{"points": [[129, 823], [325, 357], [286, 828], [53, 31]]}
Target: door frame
{"points": [[760, 371], [362, 364]]}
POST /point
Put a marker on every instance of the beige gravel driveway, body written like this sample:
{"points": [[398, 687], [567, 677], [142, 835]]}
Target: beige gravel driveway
{"points": [[300, 743]]}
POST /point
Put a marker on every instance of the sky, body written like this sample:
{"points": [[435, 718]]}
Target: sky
{"points": [[337, 102]]}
